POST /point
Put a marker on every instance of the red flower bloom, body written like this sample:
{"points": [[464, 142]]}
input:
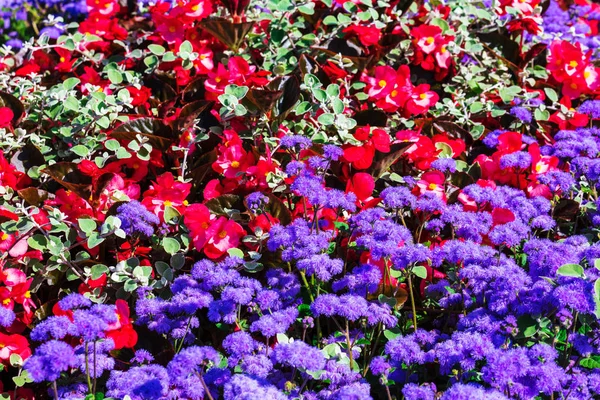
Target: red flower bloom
{"points": [[223, 235], [13, 344], [367, 35], [361, 157], [122, 332], [6, 117]]}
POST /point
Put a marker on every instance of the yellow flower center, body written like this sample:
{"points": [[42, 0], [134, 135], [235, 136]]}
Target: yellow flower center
{"points": [[394, 93], [6, 302], [587, 74], [62, 59], [423, 96], [235, 164], [432, 186], [172, 29], [538, 168], [204, 225], [28, 294], [222, 234], [168, 203], [217, 79], [573, 64], [443, 49], [382, 83], [573, 85], [4, 236], [185, 202], [196, 7], [429, 40]]}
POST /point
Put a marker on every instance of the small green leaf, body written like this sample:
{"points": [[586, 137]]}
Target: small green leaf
{"points": [[80, 150], [98, 270], [302, 108], [87, 224], [38, 242], [597, 298], [156, 49], [420, 271], [235, 252], [575, 270], [94, 240], [112, 144], [171, 245], [70, 83], [326, 119], [186, 47], [551, 94]]}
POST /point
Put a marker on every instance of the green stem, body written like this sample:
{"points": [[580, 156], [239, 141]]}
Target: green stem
{"points": [[87, 368], [412, 301]]}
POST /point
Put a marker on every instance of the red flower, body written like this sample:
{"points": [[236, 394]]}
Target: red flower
{"points": [[362, 185], [421, 100], [6, 117], [367, 35], [223, 235], [361, 157], [122, 332], [432, 181], [13, 344], [197, 218]]}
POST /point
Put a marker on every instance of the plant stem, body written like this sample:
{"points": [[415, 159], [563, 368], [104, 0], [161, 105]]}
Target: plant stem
{"points": [[206, 391], [94, 387], [349, 344], [412, 301], [55, 389], [87, 368]]}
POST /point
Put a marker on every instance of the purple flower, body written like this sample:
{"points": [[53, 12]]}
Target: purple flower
{"points": [[591, 108], [521, 113], [298, 354], [412, 391], [444, 165], [256, 201], [398, 197], [136, 219], [243, 387], [49, 360], [73, 301], [518, 159], [139, 383], [7, 316], [289, 142]]}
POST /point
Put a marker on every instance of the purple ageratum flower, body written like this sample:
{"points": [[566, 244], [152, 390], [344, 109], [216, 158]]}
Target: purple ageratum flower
{"points": [[412, 391], [243, 387], [322, 266], [99, 353], [591, 108], [444, 165], [239, 344], [7, 316], [73, 301], [49, 360], [518, 159], [398, 197], [87, 326], [298, 354], [291, 141], [256, 201], [379, 366], [142, 356], [149, 382], [136, 219], [470, 391], [54, 327], [185, 368], [331, 152], [270, 325], [257, 365], [521, 113]]}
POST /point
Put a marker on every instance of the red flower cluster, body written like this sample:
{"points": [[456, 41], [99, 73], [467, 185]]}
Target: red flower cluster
{"points": [[570, 66], [392, 90]]}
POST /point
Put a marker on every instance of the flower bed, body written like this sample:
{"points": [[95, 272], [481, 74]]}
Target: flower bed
{"points": [[300, 200]]}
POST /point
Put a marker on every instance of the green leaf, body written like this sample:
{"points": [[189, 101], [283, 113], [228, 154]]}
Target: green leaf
{"points": [[420, 271], [186, 47], [130, 285], [238, 91], [87, 224], [541, 115], [171, 245], [235, 252], [112, 144], [70, 83], [98, 270], [575, 270], [507, 94], [115, 76], [171, 214], [302, 108], [476, 107], [80, 150], [94, 240], [446, 150], [177, 260], [338, 106], [156, 49], [326, 119], [333, 91], [551, 94], [592, 362], [38, 242]]}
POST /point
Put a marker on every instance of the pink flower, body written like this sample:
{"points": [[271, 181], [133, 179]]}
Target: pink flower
{"points": [[224, 234]]}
